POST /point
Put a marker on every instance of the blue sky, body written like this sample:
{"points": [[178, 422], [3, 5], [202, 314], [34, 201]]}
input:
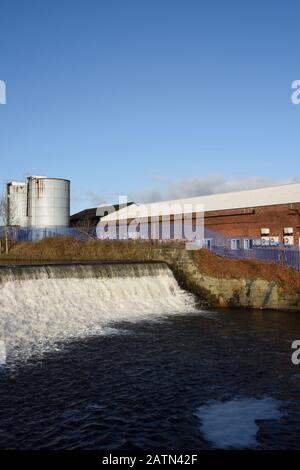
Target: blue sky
{"points": [[151, 98]]}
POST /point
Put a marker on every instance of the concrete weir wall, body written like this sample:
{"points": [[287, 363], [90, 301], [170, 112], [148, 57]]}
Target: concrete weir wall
{"points": [[88, 270], [222, 292], [212, 291]]}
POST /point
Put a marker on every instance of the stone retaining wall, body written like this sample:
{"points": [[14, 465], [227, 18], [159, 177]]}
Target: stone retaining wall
{"points": [[222, 292]]}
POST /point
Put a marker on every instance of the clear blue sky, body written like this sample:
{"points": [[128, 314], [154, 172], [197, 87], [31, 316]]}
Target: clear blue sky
{"points": [[125, 95]]}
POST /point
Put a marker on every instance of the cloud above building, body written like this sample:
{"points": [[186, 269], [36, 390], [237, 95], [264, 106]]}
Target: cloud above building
{"points": [[202, 185]]}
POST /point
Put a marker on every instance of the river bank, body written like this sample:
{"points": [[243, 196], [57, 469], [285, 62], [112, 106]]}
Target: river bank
{"points": [[216, 281], [221, 282]]}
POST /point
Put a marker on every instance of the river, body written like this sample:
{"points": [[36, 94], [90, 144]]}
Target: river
{"points": [[131, 362]]}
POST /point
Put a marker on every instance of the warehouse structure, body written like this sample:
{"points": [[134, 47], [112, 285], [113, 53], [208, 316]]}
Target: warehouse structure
{"points": [[259, 217], [90, 217]]}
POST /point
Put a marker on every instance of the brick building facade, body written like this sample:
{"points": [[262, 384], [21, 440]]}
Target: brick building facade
{"points": [[282, 221], [266, 216]]}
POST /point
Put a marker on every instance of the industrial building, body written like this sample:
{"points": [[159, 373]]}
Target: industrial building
{"points": [[253, 218], [90, 217], [258, 217], [40, 202]]}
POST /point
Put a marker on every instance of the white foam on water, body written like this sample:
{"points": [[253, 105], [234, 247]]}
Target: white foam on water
{"points": [[36, 314], [2, 353], [233, 424]]}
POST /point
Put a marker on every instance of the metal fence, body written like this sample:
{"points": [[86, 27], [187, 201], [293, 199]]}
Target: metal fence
{"points": [[218, 244], [287, 257], [34, 234]]}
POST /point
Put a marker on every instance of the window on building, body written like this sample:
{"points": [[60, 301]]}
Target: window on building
{"points": [[247, 244], [235, 244], [208, 243]]}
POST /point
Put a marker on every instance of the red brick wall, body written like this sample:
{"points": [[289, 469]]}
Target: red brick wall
{"points": [[248, 222]]}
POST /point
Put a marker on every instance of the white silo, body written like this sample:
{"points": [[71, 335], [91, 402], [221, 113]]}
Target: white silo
{"points": [[48, 202], [16, 204]]}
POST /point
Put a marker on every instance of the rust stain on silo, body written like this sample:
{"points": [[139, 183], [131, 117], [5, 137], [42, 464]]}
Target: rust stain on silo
{"points": [[40, 187]]}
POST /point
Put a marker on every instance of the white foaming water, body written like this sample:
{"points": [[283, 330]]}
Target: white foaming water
{"points": [[232, 424], [35, 314]]}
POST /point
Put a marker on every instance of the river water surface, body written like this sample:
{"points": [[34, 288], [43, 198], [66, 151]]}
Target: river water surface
{"points": [[175, 378]]}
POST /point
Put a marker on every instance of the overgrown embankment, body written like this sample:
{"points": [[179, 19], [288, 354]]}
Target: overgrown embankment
{"points": [[70, 249], [218, 281], [226, 268], [223, 282]]}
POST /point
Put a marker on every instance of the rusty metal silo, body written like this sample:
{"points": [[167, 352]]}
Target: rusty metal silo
{"points": [[16, 204], [48, 202]]}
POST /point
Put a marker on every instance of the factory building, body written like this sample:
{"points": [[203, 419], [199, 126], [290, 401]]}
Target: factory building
{"points": [[90, 217], [261, 217], [41, 202]]}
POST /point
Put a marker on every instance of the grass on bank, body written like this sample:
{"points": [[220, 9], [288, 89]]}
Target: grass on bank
{"points": [[220, 267], [70, 249]]}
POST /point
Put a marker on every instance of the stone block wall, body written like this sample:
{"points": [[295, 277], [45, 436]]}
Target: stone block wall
{"points": [[222, 292]]}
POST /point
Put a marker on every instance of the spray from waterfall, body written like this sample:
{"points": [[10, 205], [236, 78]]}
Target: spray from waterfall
{"points": [[42, 307]]}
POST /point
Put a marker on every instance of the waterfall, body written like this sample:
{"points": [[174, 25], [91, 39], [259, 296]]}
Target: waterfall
{"points": [[42, 307]]}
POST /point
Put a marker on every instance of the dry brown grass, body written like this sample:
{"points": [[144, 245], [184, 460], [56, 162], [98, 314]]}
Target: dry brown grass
{"points": [[220, 267], [70, 249]]}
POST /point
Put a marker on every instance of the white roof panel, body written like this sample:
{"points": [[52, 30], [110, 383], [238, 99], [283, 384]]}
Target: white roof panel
{"points": [[273, 195]]}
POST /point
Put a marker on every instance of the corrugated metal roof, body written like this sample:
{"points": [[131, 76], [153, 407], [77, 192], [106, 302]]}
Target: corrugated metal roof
{"points": [[273, 195]]}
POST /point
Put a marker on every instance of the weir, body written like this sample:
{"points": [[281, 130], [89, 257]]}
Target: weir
{"points": [[42, 307], [101, 270]]}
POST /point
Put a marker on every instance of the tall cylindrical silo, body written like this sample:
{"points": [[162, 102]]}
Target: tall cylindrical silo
{"points": [[48, 202], [16, 203]]}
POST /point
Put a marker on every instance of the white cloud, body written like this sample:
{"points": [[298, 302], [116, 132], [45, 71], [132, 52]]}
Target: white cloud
{"points": [[94, 198], [203, 185]]}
